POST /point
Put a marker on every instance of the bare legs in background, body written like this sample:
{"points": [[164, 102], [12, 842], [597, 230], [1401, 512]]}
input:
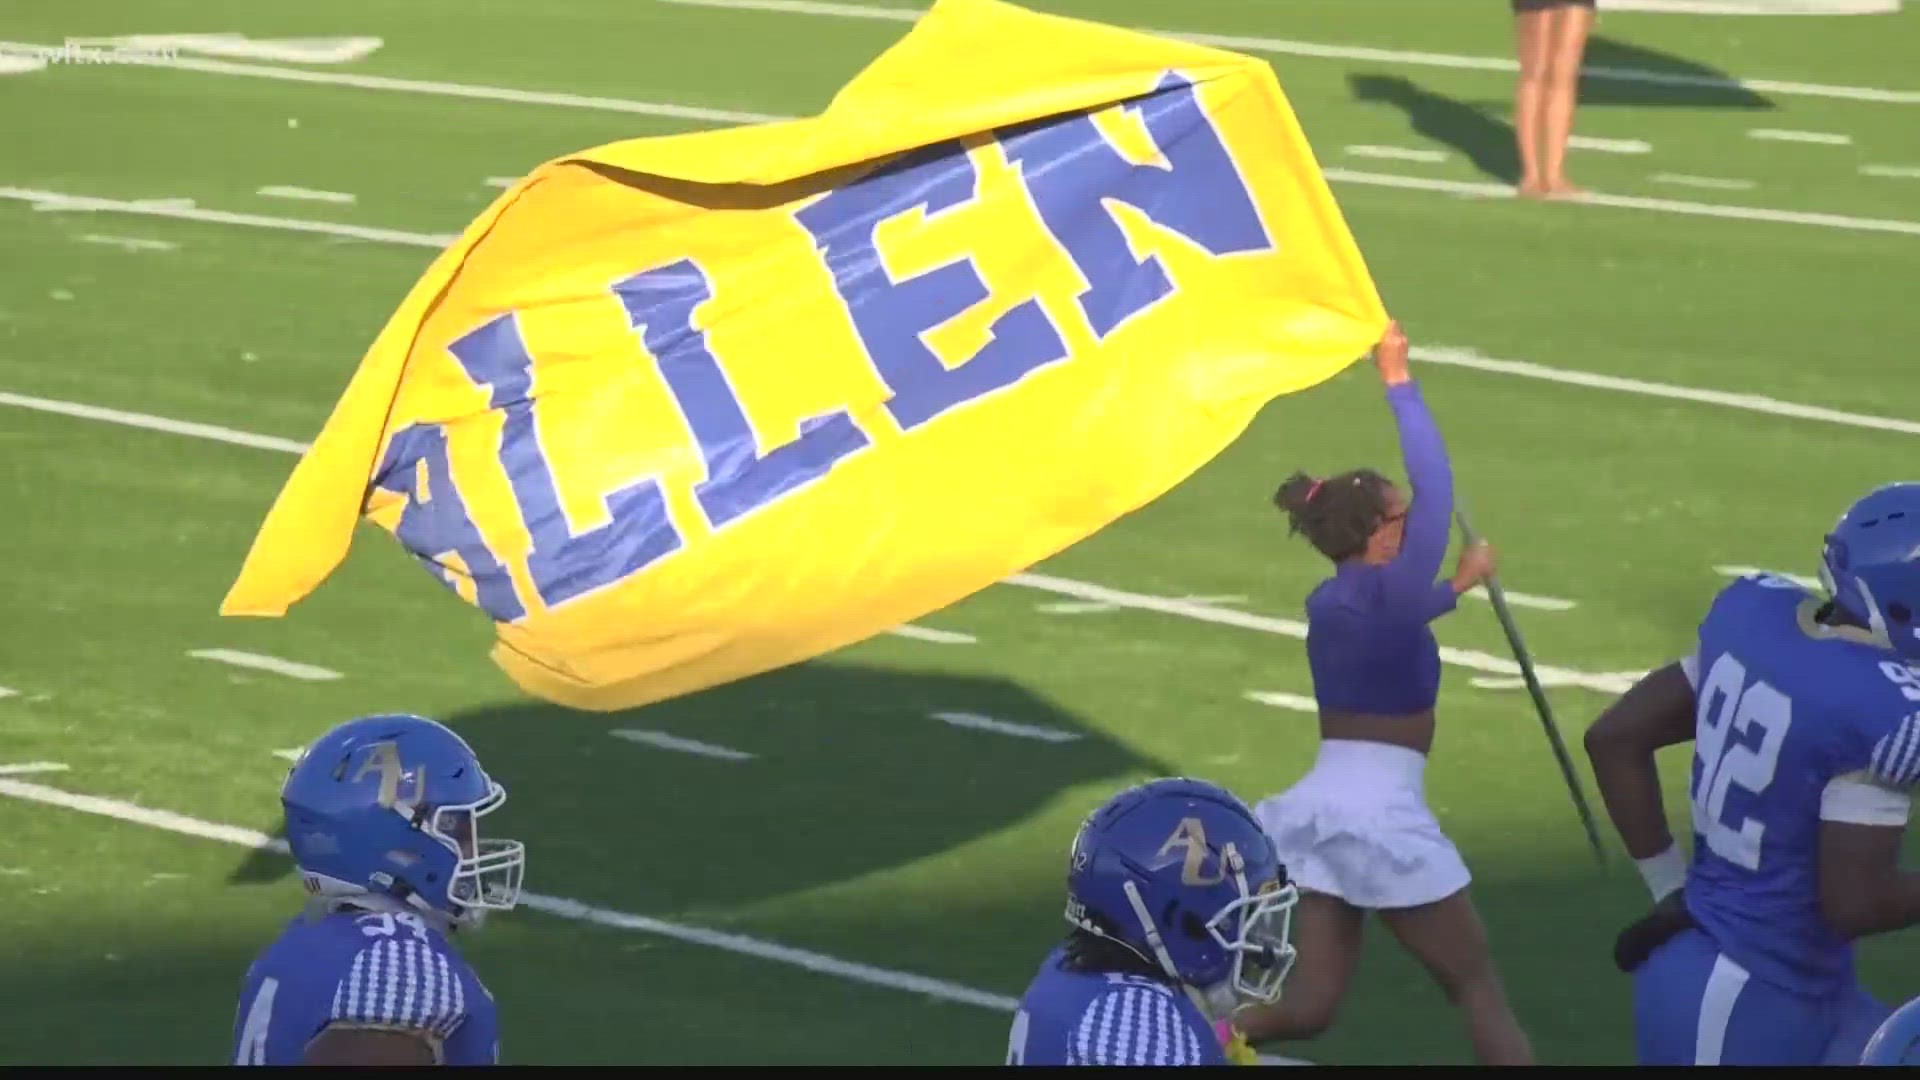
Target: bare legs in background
{"points": [[1552, 41]]}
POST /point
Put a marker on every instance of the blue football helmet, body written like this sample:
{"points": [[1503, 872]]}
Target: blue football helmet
{"points": [[1897, 1040], [1181, 873], [1871, 565], [391, 805]]}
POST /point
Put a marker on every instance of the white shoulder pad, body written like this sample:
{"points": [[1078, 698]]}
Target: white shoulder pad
{"points": [[1896, 757], [403, 984], [1135, 1025], [1858, 799]]}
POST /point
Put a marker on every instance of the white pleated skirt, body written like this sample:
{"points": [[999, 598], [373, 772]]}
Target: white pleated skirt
{"points": [[1357, 827]]}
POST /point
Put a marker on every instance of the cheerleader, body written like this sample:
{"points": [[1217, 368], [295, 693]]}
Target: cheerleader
{"points": [[1355, 833], [1552, 37]]}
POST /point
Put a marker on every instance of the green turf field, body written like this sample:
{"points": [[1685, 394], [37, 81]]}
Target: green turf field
{"points": [[873, 884]]}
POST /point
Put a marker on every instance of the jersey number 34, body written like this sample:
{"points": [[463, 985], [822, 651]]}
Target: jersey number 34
{"points": [[1737, 737]]}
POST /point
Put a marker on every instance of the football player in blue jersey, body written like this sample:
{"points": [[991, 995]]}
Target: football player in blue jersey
{"points": [[1180, 912], [382, 816], [1804, 713]]}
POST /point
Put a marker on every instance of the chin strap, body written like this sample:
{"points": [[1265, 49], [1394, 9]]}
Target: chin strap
{"points": [[1159, 947], [1876, 622]]}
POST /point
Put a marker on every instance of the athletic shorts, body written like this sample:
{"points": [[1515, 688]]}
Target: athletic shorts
{"points": [[1694, 1005]]}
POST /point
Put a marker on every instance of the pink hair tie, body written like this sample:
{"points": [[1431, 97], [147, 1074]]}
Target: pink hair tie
{"points": [[1314, 490]]}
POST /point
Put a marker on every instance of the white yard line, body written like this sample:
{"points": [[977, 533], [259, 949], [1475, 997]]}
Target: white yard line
{"points": [[1467, 358], [292, 669], [1089, 607], [1074, 607], [664, 741], [1824, 138], [1527, 600], [210, 432], [1815, 219], [1288, 47], [314, 50], [28, 768], [129, 243], [1282, 700], [1714, 182], [285, 191], [53, 200], [937, 637], [1896, 172], [1005, 727], [1397, 153], [1609, 146], [1490, 682], [55, 203]]}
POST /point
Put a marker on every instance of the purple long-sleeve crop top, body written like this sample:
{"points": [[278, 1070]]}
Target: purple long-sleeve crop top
{"points": [[1368, 642]]}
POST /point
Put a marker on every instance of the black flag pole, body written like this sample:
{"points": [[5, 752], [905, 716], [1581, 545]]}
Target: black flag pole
{"points": [[1499, 598]]}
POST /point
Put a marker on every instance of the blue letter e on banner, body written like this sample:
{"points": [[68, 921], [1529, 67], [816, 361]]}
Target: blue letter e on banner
{"points": [[890, 316], [1071, 170]]}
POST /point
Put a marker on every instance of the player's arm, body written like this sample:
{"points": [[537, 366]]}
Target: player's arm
{"points": [[1657, 712], [349, 1045], [1410, 588], [1863, 820]]}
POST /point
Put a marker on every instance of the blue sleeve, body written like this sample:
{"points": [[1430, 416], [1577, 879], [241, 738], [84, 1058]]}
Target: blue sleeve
{"points": [[476, 1041], [1409, 578]]}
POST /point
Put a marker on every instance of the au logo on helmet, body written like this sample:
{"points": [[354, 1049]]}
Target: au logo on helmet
{"points": [[383, 758], [1192, 835]]}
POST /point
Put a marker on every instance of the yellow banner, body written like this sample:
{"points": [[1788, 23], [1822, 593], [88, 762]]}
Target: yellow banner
{"points": [[675, 411]]}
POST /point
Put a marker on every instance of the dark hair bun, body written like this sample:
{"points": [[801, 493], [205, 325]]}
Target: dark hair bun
{"points": [[1293, 493], [1338, 516]]}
